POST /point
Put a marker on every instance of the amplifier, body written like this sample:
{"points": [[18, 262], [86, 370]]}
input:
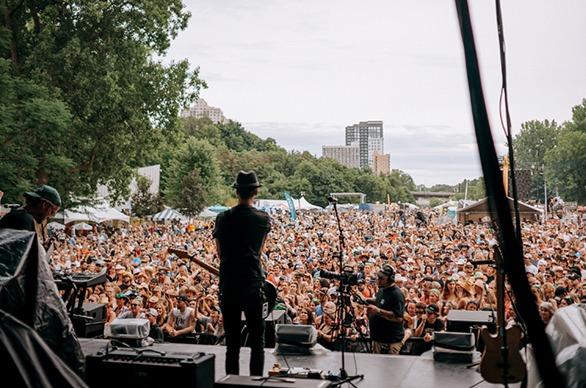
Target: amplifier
{"points": [[150, 368], [464, 321], [233, 381]]}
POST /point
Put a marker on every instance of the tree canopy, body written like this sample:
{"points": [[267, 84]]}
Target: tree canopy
{"points": [[84, 97]]}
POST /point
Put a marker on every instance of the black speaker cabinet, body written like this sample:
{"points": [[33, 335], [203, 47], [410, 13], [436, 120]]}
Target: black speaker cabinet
{"points": [[464, 321], [127, 367]]}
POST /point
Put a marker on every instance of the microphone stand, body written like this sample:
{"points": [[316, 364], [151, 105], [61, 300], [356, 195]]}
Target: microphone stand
{"points": [[343, 377]]}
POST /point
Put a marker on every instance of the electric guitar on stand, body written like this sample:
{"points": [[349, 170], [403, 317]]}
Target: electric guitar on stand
{"points": [[501, 362], [270, 291]]}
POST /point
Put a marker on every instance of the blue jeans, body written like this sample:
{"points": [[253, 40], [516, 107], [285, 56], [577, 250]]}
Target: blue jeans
{"points": [[232, 307]]}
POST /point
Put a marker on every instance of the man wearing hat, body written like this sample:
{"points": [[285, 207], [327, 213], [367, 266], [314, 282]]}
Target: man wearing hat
{"points": [[240, 233], [385, 314], [40, 205], [155, 331]]}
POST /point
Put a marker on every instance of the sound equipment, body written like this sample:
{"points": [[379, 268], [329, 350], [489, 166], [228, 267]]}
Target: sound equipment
{"points": [[233, 381], [95, 310], [276, 317], [453, 347], [149, 368], [501, 362], [464, 321], [295, 339], [270, 291]]}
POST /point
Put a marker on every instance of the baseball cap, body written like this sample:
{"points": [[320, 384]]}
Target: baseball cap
{"points": [[47, 193], [153, 312], [387, 270], [183, 297], [432, 308]]}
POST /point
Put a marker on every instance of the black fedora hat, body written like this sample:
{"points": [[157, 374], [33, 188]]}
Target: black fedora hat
{"points": [[246, 180]]}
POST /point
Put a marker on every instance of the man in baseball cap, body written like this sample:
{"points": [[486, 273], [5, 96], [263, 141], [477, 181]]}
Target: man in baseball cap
{"points": [[41, 204]]}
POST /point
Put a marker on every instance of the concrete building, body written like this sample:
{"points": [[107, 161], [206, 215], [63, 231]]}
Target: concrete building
{"points": [[201, 109], [381, 163], [348, 156], [368, 135]]}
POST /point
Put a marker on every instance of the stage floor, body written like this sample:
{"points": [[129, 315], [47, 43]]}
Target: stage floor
{"points": [[378, 370]]}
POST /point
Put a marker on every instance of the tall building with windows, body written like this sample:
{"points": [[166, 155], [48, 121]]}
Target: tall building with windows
{"points": [[345, 155], [201, 109], [368, 136], [381, 163]]}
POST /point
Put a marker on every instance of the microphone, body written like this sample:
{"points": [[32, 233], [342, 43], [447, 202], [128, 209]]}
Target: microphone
{"points": [[331, 199]]}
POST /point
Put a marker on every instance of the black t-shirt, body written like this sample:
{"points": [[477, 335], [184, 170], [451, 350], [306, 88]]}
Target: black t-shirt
{"points": [[241, 232], [382, 330], [438, 325], [18, 219]]}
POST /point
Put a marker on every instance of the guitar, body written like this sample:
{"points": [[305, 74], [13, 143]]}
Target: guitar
{"points": [[270, 291], [492, 365]]}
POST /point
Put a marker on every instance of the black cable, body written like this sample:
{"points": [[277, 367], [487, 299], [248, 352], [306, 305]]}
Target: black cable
{"points": [[500, 210]]}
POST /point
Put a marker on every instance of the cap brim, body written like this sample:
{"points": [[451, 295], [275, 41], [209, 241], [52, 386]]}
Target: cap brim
{"points": [[32, 194]]}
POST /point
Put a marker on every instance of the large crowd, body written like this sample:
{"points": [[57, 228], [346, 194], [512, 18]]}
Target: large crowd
{"points": [[434, 263]]}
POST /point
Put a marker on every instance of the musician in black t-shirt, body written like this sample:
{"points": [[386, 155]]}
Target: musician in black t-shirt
{"points": [[385, 314], [240, 233]]}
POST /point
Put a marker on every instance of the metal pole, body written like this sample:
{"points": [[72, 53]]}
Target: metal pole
{"points": [[545, 198]]}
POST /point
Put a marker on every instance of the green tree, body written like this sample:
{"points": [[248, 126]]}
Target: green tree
{"points": [[143, 202], [530, 146], [98, 59], [193, 180], [566, 165]]}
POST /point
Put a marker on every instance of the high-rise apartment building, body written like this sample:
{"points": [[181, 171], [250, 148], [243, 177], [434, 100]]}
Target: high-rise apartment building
{"points": [[368, 136], [201, 109], [348, 156], [381, 163]]}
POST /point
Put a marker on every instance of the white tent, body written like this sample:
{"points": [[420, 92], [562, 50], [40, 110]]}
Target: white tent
{"points": [[207, 213], [55, 226], [169, 215], [302, 204], [82, 226], [100, 212]]}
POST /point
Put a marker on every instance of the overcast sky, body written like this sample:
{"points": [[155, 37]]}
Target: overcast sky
{"points": [[300, 71]]}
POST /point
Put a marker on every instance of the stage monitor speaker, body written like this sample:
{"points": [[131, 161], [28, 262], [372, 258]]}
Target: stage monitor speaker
{"points": [[295, 339], [464, 321], [95, 310], [453, 346], [233, 381], [276, 317], [150, 368]]}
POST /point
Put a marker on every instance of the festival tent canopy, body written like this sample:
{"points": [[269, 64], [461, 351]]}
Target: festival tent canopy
{"points": [[55, 226], [98, 213], [303, 204], [169, 215], [82, 226], [217, 208], [207, 213]]}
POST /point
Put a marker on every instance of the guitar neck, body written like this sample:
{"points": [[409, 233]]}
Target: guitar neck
{"points": [[500, 288], [184, 255]]}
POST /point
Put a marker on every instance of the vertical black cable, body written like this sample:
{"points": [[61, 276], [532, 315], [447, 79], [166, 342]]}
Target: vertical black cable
{"points": [[500, 210], [508, 132]]}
